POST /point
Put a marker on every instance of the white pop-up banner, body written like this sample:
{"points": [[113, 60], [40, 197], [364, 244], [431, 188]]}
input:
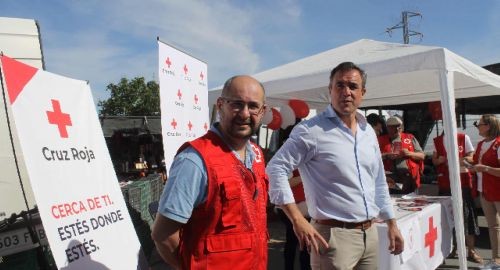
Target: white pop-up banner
{"points": [[81, 206], [183, 99]]}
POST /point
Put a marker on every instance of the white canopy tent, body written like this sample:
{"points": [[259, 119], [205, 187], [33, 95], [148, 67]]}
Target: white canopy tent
{"points": [[397, 74]]}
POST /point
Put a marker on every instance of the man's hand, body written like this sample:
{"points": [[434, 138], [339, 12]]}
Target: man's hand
{"points": [[396, 242], [308, 236]]}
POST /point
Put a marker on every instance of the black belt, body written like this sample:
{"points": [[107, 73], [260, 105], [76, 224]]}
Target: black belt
{"points": [[363, 225]]}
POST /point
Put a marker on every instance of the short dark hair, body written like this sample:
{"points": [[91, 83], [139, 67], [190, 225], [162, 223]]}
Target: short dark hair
{"points": [[346, 66], [374, 119]]}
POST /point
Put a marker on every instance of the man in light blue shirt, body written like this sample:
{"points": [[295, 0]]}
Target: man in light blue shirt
{"points": [[339, 159]]}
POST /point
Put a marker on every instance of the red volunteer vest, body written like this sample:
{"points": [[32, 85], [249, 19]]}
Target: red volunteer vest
{"points": [[491, 184], [442, 169], [406, 143], [229, 230]]}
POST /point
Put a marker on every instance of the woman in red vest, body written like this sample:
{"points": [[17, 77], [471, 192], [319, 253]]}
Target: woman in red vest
{"points": [[487, 165], [465, 150]]}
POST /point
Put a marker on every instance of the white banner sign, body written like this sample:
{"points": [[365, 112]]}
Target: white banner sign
{"points": [[184, 99], [81, 206]]}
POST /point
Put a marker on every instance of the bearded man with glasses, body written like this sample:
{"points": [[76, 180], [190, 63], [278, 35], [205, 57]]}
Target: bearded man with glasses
{"points": [[212, 213]]}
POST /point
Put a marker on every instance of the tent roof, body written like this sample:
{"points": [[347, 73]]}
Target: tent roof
{"points": [[397, 74]]}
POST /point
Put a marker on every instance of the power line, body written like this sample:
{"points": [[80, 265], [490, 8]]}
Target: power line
{"points": [[405, 15]]}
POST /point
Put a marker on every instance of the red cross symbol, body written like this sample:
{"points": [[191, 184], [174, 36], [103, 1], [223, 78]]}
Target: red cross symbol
{"points": [[190, 126], [185, 69], [258, 156], [179, 93], [201, 75], [168, 62], [173, 123], [205, 126], [57, 117], [431, 236], [195, 99]]}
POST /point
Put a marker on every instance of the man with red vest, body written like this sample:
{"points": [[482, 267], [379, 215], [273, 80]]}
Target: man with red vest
{"points": [[402, 155], [212, 213], [465, 151]]}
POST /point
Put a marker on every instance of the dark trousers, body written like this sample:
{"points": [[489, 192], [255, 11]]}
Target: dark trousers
{"points": [[291, 245]]}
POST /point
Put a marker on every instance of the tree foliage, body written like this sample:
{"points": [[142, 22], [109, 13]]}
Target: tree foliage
{"points": [[131, 98]]}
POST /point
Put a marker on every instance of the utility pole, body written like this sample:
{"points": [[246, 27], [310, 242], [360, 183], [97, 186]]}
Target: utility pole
{"points": [[405, 15]]}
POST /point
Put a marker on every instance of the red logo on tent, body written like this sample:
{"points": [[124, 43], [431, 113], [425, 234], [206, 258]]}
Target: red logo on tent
{"points": [[179, 93], [57, 117], [173, 123], [190, 126], [201, 75], [168, 62], [185, 69], [195, 99], [431, 237]]}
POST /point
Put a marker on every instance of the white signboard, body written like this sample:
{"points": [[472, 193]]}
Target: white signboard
{"points": [[81, 206], [184, 99]]}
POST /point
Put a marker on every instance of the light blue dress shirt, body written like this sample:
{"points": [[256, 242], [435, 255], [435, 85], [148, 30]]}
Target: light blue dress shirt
{"points": [[186, 187], [342, 173]]}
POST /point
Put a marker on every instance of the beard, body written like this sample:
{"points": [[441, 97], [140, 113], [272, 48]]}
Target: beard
{"points": [[243, 129]]}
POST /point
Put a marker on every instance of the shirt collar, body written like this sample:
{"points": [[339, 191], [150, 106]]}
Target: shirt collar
{"points": [[250, 155], [330, 113]]}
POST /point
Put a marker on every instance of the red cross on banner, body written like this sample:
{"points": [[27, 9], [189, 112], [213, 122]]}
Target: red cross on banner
{"points": [[195, 99], [57, 117], [201, 75], [168, 62], [190, 126], [185, 69], [179, 93], [173, 123], [431, 237]]}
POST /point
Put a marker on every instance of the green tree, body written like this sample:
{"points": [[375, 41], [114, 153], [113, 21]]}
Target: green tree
{"points": [[131, 98]]}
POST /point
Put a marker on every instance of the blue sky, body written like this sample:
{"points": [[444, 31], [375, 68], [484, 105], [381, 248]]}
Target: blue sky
{"points": [[103, 41]]}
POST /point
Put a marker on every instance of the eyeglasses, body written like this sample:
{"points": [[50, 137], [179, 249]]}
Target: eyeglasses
{"points": [[236, 106], [476, 124]]}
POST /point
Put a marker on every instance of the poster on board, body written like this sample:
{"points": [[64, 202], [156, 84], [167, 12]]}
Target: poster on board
{"points": [[83, 212], [183, 99]]}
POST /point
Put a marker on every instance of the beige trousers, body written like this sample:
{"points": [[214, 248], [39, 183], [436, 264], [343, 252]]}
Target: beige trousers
{"points": [[348, 249], [492, 214]]}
